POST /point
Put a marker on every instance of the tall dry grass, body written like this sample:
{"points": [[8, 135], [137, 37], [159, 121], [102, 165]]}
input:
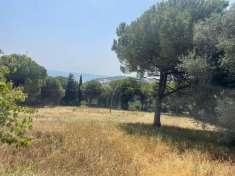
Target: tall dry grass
{"points": [[87, 141]]}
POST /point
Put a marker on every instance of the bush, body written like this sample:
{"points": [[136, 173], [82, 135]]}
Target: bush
{"points": [[12, 127], [226, 119], [226, 113]]}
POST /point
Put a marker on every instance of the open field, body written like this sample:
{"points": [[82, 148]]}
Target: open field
{"points": [[86, 141]]}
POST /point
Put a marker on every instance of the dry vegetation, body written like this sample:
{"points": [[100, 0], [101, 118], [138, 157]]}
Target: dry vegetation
{"points": [[85, 141]]}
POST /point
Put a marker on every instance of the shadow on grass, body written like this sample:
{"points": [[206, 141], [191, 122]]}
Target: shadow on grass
{"points": [[184, 139]]}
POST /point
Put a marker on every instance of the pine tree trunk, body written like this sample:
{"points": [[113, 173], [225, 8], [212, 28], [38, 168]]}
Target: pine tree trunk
{"points": [[157, 115], [160, 95]]}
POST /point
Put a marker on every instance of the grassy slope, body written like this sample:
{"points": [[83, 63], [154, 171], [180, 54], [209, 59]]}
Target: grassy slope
{"points": [[70, 141]]}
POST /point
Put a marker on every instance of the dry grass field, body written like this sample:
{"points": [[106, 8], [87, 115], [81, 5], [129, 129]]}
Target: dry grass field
{"points": [[69, 141]]}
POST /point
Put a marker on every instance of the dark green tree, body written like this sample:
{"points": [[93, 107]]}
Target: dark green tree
{"points": [[22, 68], [104, 98], [124, 92], [211, 67], [92, 91], [71, 91], [52, 92], [127, 92], [25, 72], [33, 90], [63, 81], [146, 95]]}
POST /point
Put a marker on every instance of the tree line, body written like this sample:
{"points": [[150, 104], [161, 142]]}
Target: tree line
{"points": [[44, 90]]}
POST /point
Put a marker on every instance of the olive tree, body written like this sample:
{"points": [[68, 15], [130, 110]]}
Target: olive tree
{"points": [[211, 67]]}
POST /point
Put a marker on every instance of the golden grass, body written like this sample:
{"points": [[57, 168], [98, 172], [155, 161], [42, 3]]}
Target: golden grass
{"points": [[88, 141]]}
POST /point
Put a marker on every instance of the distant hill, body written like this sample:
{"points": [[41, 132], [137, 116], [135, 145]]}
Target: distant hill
{"points": [[89, 77], [106, 80], [86, 76]]}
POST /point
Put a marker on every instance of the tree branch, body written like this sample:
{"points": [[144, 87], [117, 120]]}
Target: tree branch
{"points": [[176, 90]]}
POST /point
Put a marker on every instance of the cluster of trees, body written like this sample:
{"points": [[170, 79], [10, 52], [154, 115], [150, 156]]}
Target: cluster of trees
{"points": [[189, 45], [127, 94], [40, 88]]}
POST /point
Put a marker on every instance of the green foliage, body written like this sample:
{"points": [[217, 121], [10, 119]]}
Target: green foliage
{"points": [[3, 73], [12, 126], [22, 68], [105, 97], [52, 92], [211, 69], [25, 72], [33, 89], [80, 90], [71, 92], [225, 117], [134, 105], [125, 91], [227, 44], [226, 113], [63, 81], [154, 43], [92, 91], [146, 96]]}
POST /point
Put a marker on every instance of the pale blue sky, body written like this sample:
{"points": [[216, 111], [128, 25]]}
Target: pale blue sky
{"points": [[67, 35]]}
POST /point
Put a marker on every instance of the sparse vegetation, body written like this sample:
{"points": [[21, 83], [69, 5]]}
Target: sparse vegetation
{"points": [[180, 58], [87, 141]]}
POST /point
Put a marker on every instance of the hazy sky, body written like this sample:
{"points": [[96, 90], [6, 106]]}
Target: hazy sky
{"points": [[67, 35]]}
